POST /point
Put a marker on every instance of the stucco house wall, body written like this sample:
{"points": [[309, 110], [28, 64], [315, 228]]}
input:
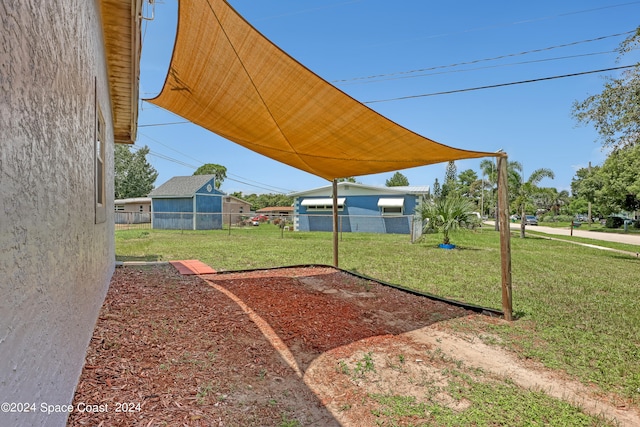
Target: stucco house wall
{"points": [[56, 260]]}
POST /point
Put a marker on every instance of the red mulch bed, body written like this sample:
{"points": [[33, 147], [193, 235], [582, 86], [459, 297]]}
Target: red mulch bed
{"points": [[172, 350]]}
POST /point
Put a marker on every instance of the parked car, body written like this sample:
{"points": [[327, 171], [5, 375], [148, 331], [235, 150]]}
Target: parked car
{"points": [[531, 220], [260, 217]]}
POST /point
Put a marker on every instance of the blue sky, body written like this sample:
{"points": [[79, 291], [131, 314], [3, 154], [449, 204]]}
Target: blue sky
{"points": [[348, 42]]}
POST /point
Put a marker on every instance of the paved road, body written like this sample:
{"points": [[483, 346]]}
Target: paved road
{"points": [[582, 231]]}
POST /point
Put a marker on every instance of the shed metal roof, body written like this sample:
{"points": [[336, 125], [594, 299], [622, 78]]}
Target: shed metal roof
{"points": [[181, 186], [352, 187], [135, 200]]}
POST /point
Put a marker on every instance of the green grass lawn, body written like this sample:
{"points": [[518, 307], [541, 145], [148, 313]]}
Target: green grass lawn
{"points": [[578, 308]]}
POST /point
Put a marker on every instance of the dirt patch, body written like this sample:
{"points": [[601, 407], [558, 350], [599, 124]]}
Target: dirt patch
{"points": [[268, 348]]}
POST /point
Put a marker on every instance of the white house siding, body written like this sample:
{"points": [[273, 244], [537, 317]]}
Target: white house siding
{"points": [[55, 262]]}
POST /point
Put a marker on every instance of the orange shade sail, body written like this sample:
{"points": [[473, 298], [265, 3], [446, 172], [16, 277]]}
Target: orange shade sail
{"points": [[228, 78]]}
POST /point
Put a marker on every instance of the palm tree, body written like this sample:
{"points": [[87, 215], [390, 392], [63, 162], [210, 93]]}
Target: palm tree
{"points": [[562, 199], [545, 198], [552, 200], [490, 170], [445, 214], [527, 190]]}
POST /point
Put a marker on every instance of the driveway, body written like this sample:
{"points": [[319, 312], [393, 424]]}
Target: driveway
{"points": [[583, 231]]}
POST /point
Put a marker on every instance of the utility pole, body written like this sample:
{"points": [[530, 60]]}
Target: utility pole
{"points": [[482, 197]]}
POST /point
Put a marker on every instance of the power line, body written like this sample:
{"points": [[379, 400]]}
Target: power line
{"points": [[500, 84], [165, 157], [277, 189], [598, 8], [229, 175], [526, 21], [172, 149], [258, 186], [485, 67], [510, 55], [272, 188]]}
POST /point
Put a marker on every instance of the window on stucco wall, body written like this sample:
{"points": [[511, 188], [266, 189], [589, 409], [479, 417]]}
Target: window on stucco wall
{"points": [[99, 152]]}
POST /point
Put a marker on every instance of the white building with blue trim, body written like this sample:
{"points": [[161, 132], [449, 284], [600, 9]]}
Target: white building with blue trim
{"points": [[361, 208]]}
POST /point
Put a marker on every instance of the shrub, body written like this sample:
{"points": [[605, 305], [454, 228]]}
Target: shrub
{"points": [[473, 222], [556, 218], [614, 222], [446, 214]]}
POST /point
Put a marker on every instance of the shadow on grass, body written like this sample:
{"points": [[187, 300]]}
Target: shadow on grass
{"points": [[519, 314], [628, 257], [529, 236], [125, 258], [460, 248], [456, 249]]}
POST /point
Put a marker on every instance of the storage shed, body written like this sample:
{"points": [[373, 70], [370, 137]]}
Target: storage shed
{"points": [[187, 203], [134, 204], [361, 208], [136, 210], [276, 211], [234, 210]]}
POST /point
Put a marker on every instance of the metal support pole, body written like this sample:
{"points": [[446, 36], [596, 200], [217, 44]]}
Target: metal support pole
{"points": [[335, 222], [505, 237]]}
